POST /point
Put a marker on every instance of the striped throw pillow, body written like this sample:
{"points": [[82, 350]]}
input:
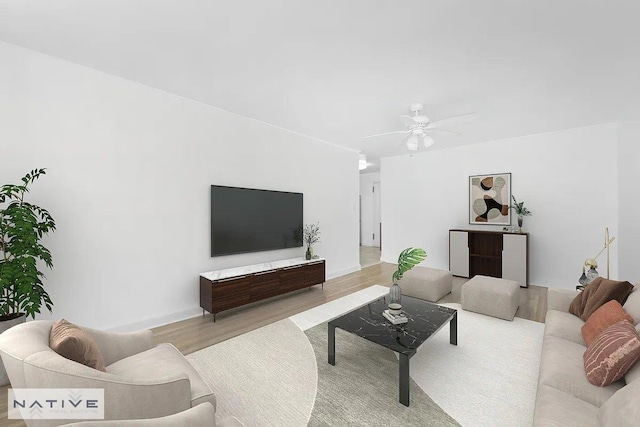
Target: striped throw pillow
{"points": [[612, 354]]}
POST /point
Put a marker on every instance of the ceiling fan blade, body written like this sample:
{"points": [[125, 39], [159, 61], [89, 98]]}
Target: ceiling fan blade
{"points": [[452, 119], [387, 133], [429, 129], [407, 120]]}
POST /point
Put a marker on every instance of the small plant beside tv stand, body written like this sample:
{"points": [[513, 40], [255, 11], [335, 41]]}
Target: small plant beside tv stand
{"points": [[222, 290]]}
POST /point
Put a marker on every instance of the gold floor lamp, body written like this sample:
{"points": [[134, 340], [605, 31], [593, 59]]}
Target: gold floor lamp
{"points": [[592, 264]]}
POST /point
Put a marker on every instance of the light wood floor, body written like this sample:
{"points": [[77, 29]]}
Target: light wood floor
{"points": [[369, 255], [200, 332]]}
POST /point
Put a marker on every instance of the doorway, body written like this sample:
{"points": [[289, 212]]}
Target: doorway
{"points": [[370, 219], [377, 217]]}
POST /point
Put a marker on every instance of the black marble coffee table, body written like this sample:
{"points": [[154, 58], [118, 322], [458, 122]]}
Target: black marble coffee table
{"points": [[425, 319]]}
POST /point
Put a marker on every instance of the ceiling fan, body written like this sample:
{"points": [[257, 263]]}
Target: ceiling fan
{"points": [[419, 128]]}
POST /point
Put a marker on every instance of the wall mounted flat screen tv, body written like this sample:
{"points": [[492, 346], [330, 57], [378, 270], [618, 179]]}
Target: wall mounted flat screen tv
{"points": [[250, 220]]}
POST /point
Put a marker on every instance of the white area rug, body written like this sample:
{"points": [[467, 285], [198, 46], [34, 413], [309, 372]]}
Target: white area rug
{"points": [[488, 379], [325, 312], [266, 377]]}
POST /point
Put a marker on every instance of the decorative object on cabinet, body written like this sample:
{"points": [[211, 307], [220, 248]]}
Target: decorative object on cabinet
{"points": [[489, 253], [407, 259], [521, 211], [311, 235], [489, 197]]}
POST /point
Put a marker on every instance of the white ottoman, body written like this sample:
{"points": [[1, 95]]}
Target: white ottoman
{"points": [[491, 296], [426, 283]]}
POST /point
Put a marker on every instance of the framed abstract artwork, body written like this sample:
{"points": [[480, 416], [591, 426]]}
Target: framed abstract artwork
{"points": [[489, 199]]}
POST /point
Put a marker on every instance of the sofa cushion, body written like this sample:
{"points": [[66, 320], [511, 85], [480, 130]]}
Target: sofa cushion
{"points": [[160, 359], [605, 316], [557, 408], [73, 343], [564, 325], [632, 306], [598, 293], [622, 410], [612, 354], [562, 367]]}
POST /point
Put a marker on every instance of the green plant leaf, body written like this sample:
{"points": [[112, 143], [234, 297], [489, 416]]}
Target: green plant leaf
{"points": [[408, 258]]}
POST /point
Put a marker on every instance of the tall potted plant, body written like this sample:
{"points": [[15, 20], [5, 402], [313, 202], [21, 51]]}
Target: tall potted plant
{"points": [[407, 259], [22, 227], [521, 211]]}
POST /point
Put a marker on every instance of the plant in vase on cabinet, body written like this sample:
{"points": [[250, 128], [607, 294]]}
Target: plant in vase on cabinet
{"points": [[521, 211], [407, 259], [311, 236], [22, 227]]}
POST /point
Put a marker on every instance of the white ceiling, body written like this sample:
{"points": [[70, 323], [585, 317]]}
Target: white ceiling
{"points": [[342, 69]]}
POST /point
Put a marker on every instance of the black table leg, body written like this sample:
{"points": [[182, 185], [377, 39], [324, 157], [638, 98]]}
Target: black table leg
{"points": [[404, 379], [453, 330], [332, 344]]}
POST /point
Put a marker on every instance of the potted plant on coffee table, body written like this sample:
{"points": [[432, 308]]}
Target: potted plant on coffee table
{"points": [[407, 259], [22, 227]]}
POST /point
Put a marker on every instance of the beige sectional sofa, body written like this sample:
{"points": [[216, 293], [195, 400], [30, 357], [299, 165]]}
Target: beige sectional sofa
{"points": [[565, 397]]}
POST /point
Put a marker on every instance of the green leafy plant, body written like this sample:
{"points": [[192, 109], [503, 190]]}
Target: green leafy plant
{"points": [[22, 227], [519, 208], [408, 259]]}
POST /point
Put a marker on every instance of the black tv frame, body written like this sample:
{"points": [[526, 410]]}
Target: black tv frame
{"points": [[252, 189]]}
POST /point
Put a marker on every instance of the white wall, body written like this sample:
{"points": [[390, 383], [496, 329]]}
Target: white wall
{"points": [[129, 171], [367, 205], [629, 213], [568, 179]]}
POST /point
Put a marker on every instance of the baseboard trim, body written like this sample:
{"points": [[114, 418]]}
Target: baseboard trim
{"points": [[158, 321], [343, 271]]}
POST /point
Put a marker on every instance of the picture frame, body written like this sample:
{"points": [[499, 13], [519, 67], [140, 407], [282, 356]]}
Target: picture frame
{"points": [[490, 199]]}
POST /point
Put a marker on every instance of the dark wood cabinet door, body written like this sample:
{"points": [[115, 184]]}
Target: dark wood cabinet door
{"points": [[265, 285], [229, 293], [292, 278], [314, 273]]}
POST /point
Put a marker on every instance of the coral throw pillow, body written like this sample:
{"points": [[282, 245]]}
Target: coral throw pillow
{"points": [[612, 354], [72, 342], [610, 313], [597, 293]]}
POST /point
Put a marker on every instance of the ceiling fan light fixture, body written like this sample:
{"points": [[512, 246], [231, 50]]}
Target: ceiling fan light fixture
{"points": [[362, 162], [412, 143], [427, 140]]}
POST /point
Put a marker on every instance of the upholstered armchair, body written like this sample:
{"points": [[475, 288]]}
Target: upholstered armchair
{"points": [[141, 381]]}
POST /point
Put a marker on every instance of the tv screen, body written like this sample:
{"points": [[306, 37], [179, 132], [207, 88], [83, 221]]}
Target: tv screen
{"points": [[250, 220]]}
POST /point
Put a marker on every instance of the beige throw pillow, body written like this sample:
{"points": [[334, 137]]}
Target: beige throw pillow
{"points": [[72, 342]]}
